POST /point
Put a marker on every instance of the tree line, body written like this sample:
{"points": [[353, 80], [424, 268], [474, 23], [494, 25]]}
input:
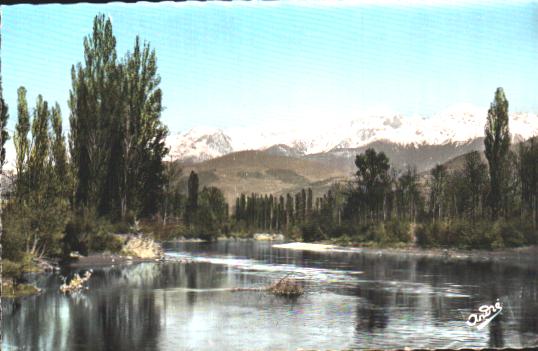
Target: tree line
{"points": [[486, 202]]}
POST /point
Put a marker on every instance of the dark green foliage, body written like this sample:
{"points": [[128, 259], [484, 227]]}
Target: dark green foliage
{"points": [[86, 233], [409, 202], [475, 173], [497, 144], [528, 173], [483, 234], [372, 183], [398, 231], [312, 232], [438, 184], [22, 129], [192, 199], [13, 243], [11, 270], [211, 215], [173, 203]]}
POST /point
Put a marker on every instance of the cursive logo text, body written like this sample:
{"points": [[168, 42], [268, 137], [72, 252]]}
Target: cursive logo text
{"points": [[486, 315]]}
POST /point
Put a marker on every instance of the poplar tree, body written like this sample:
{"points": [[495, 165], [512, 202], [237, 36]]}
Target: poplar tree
{"points": [[22, 129], [95, 103], [61, 173], [39, 151], [497, 144], [143, 134], [192, 198]]}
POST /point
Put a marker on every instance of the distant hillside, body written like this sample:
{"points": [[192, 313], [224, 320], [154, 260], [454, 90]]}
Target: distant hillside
{"points": [[261, 172], [458, 162], [424, 157], [272, 172]]}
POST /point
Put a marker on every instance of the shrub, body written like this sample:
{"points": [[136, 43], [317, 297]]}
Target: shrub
{"points": [[12, 242], [312, 232], [511, 235], [430, 234], [104, 241], [85, 233], [398, 231], [12, 270]]}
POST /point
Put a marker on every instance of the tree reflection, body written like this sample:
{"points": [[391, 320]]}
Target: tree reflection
{"points": [[372, 314]]}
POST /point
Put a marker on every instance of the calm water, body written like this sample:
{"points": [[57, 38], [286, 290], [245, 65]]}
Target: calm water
{"points": [[351, 301]]}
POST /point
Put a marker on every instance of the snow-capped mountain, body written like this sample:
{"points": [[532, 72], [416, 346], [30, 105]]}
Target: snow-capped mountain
{"points": [[457, 125], [199, 145]]}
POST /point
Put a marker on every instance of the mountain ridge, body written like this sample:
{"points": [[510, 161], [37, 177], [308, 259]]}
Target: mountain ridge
{"points": [[455, 126]]}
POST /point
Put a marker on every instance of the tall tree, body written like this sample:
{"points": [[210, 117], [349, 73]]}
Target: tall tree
{"points": [[528, 172], [409, 201], [211, 214], [95, 103], [497, 144], [475, 171], [40, 197], [373, 180], [39, 152], [438, 184], [61, 175], [143, 134], [22, 144], [289, 211], [309, 203], [192, 198]]}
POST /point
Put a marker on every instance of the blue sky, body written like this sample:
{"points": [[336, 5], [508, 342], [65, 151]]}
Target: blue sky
{"points": [[242, 64]]}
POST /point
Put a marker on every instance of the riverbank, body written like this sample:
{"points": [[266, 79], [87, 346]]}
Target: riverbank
{"points": [[11, 291], [134, 249], [527, 253]]}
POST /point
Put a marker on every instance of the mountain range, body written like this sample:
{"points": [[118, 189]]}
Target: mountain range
{"points": [[453, 128]]}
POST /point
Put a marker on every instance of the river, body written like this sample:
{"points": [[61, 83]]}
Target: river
{"points": [[351, 301]]}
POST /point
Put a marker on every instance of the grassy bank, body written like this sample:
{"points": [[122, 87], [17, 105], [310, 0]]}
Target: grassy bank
{"points": [[450, 234], [14, 283]]}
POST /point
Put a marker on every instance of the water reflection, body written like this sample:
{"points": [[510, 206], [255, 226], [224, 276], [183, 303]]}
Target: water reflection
{"points": [[352, 301], [371, 314]]}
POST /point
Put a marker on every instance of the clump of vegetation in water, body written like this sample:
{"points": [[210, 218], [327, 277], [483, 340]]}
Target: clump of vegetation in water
{"points": [[286, 287], [76, 283]]}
